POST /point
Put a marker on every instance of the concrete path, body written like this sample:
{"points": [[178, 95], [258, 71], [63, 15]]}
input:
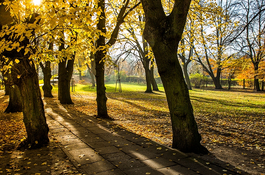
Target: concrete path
{"points": [[100, 147]]}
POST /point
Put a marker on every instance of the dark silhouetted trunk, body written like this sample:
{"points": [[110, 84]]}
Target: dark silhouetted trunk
{"points": [[6, 82], [147, 76], [100, 67], [47, 74], [186, 75], [33, 110], [15, 101], [256, 80], [65, 71], [163, 33], [65, 74]]}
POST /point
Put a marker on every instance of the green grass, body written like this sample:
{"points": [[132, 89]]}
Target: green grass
{"points": [[230, 103]]}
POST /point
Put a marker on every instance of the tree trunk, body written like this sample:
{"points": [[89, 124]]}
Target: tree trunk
{"points": [[65, 74], [185, 132], [66, 67], [92, 76], [146, 62], [147, 76], [153, 81], [217, 83], [24, 75], [101, 89], [47, 87], [100, 66], [6, 83], [15, 101], [163, 33], [186, 75], [256, 80], [33, 109]]}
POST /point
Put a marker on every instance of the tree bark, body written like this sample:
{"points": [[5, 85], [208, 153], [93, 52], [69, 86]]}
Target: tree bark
{"points": [[15, 101], [24, 75], [47, 87], [92, 76], [65, 71], [100, 66], [146, 63], [163, 33], [256, 80], [147, 76], [33, 110], [153, 81], [186, 75], [6, 83], [65, 74]]}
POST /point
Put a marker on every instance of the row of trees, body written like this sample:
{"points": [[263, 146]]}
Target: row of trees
{"points": [[224, 37], [60, 31], [87, 31]]}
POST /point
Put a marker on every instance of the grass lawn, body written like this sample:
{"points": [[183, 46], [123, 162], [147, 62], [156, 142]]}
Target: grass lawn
{"points": [[221, 115]]}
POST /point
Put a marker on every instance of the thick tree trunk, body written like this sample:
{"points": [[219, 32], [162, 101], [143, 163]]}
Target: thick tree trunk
{"points": [[15, 101], [65, 71], [47, 87], [33, 110], [163, 33], [65, 74], [153, 81], [217, 83], [185, 132]]}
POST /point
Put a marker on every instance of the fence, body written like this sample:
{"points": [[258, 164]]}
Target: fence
{"points": [[233, 83]]}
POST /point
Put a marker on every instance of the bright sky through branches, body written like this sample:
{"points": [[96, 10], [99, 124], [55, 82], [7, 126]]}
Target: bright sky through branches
{"points": [[37, 2]]}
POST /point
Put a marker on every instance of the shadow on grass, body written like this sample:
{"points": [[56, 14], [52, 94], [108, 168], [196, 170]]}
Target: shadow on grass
{"points": [[226, 103]]}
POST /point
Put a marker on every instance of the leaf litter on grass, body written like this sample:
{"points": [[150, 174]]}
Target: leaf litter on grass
{"points": [[229, 121]]}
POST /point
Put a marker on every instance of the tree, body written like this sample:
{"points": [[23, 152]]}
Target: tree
{"points": [[24, 74], [102, 47], [66, 67], [251, 41], [216, 29], [15, 101], [139, 49], [46, 69], [163, 33]]}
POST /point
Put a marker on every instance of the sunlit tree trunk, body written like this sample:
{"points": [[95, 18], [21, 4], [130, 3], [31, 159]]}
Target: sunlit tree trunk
{"points": [[153, 81]]}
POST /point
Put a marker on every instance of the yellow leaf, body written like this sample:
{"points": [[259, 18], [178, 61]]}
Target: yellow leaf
{"points": [[17, 61]]}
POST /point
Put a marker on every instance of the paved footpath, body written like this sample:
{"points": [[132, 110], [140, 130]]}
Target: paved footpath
{"points": [[100, 147]]}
